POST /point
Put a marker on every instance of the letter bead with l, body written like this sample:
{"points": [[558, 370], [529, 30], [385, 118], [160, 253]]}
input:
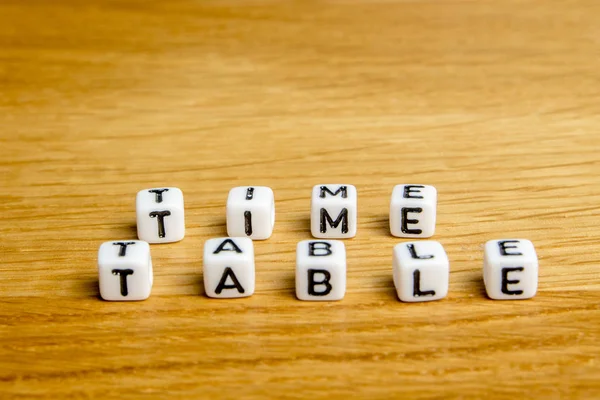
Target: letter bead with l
{"points": [[510, 269], [229, 267], [125, 270], [160, 215], [320, 270], [421, 271]]}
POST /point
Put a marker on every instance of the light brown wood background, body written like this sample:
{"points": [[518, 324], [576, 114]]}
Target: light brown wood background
{"points": [[496, 103]]}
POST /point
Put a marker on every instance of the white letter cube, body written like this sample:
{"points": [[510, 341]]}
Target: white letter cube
{"points": [[125, 270], [333, 211], [160, 215], [320, 270], [251, 212], [421, 271], [413, 211], [229, 267], [510, 269]]}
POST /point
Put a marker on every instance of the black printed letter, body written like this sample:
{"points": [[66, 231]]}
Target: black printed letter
{"points": [[325, 282], [413, 253], [158, 193], [160, 217], [417, 286], [506, 282], [233, 247], [123, 248], [323, 250], [248, 222], [342, 189], [408, 190], [123, 276], [326, 218], [228, 272], [504, 247], [406, 221]]}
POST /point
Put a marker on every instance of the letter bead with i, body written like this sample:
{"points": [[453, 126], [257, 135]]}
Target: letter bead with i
{"points": [[125, 270], [333, 211], [413, 211], [160, 215], [421, 271], [510, 269], [320, 270], [251, 212], [229, 267]]}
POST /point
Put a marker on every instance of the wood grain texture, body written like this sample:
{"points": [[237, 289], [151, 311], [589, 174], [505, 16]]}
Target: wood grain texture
{"points": [[493, 102]]}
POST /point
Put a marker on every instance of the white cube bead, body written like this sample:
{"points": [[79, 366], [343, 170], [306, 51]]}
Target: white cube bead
{"points": [[510, 269], [320, 270], [229, 267], [125, 270], [421, 271], [251, 212], [333, 211], [160, 215], [413, 211]]}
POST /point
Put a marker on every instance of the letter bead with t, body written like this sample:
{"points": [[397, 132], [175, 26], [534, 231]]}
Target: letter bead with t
{"points": [[125, 270], [160, 215], [320, 270]]}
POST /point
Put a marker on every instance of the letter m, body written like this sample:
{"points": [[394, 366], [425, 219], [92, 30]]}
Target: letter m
{"points": [[325, 190], [326, 218]]}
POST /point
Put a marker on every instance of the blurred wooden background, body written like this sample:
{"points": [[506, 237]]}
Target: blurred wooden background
{"points": [[496, 103]]}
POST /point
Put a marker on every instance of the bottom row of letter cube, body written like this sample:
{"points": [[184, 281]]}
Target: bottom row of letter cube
{"points": [[420, 270]]}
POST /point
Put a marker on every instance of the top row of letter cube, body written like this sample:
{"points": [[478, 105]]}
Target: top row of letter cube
{"points": [[251, 212]]}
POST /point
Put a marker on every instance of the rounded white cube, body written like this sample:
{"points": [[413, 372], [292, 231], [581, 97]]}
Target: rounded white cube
{"points": [[333, 211], [160, 215]]}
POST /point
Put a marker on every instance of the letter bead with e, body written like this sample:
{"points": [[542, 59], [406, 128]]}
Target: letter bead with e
{"points": [[510, 269], [320, 270], [413, 211], [229, 267], [421, 271], [125, 270]]}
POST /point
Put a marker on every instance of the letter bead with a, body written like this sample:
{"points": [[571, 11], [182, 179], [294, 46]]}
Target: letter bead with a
{"points": [[421, 271], [333, 211], [320, 270], [251, 212], [125, 270], [160, 215], [510, 269], [229, 267], [413, 211]]}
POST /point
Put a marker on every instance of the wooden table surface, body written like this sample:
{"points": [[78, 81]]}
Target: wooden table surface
{"points": [[493, 102]]}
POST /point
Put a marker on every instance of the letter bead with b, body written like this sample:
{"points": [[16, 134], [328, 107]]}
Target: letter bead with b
{"points": [[421, 271], [413, 211], [333, 211], [125, 270], [229, 267], [320, 270], [510, 269], [160, 215]]}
